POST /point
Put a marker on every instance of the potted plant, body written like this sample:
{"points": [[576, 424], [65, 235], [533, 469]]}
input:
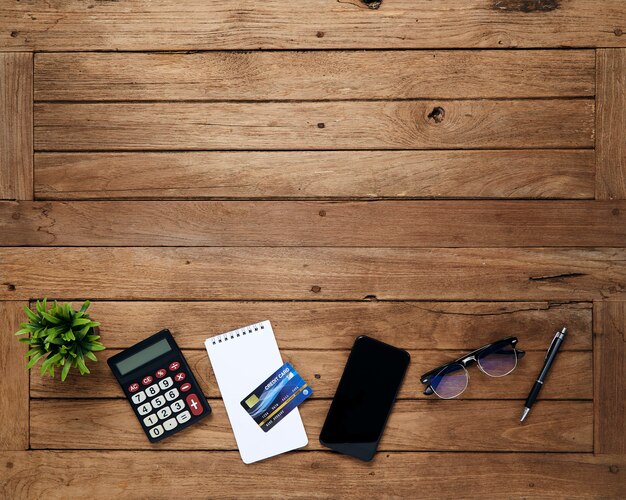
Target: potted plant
{"points": [[66, 336]]}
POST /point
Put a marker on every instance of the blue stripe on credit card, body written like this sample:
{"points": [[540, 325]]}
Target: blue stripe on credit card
{"points": [[276, 396]]}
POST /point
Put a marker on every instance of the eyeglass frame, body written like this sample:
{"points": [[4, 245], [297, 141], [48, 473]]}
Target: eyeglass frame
{"points": [[469, 359]]}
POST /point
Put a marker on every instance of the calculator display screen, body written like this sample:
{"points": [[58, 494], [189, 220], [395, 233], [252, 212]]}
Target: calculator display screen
{"points": [[144, 356]]}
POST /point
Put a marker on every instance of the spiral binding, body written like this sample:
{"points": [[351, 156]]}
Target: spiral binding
{"points": [[244, 331]]}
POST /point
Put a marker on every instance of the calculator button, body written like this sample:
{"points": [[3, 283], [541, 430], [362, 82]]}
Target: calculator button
{"points": [[185, 387], [174, 366], [194, 404], [146, 380], [164, 412], [176, 406], [179, 377], [140, 397], [166, 383], [161, 373], [183, 417], [153, 390], [171, 395], [133, 387], [144, 409], [158, 402], [156, 431], [170, 424], [150, 420]]}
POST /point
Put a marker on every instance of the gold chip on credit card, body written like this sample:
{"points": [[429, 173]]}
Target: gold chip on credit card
{"points": [[252, 400]]}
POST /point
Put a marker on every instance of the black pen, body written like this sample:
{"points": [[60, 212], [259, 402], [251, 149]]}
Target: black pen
{"points": [[549, 359]]}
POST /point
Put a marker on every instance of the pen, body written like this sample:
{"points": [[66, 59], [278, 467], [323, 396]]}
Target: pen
{"points": [[559, 336]]}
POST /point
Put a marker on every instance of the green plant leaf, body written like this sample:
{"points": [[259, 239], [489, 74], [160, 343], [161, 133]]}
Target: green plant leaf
{"points": [[65, 371], [34, 360], [51, 360], [91, 356], [33, 351], [51, 318], [94, 347], [82, 332], [82, 366], [68, 312], [85, 305], [80, 321], [31, 315]]}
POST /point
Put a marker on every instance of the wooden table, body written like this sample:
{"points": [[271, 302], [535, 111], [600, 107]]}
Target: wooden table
{"points": [[201, 165]]}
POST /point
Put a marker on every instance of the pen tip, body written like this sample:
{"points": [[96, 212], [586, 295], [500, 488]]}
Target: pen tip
{"points": [[524, 414]]}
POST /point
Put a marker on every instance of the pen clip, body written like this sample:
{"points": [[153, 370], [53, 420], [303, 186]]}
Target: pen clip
{"points": [[556, 336]]}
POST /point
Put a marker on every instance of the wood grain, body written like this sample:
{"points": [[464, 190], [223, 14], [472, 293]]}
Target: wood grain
{"points": [[315, 224], [14, 383], [132, 474], [610, 377], [319, 174], [312, 273], [611, 125], [571, 379], [16, 125], [468, 124], [318, 75], [110, 424], [334, 325], [244, 24]]}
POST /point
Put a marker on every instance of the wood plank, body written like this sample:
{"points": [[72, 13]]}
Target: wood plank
{"points": [[132, 474], [312, 273], [334, 325], [326, 174], [610, 377], [571, 379], [16, 125], [611, 125], [317, 75], [111, 424], [315, 224], [473, 124], [14, 380], [244, 24]]}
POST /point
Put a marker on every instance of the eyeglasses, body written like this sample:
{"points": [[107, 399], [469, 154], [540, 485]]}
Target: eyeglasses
{"points": [[496, 360]]}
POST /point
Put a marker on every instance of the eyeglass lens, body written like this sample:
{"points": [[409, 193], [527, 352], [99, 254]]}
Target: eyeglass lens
{"points": [[450, 382], [498, 361]]}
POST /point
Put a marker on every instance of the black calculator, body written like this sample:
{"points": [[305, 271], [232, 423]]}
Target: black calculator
{"points": [[159, 385]]}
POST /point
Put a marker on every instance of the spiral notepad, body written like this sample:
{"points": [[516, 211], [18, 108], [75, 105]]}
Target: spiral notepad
{"points": [[241, 360]]}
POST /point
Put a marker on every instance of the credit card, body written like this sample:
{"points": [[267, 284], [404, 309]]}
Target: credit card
{"points": [[280, 393]]}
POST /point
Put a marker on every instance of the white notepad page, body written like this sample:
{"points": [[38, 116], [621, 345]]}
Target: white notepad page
{"points": [[241, 360]]}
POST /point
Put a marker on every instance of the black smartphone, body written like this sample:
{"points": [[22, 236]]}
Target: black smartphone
{"points": [[364, 398]]}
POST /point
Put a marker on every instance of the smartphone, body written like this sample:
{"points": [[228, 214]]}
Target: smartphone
{"points": [[364, 398]]}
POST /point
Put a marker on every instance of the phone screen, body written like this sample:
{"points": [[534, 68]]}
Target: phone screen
{"points": [[364, 397]]}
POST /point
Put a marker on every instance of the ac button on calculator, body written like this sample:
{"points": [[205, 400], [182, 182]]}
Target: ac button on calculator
{"points": [[159, 386]]}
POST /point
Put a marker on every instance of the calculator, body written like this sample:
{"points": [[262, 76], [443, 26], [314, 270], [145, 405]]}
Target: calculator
{"points": [[159, 385]]}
